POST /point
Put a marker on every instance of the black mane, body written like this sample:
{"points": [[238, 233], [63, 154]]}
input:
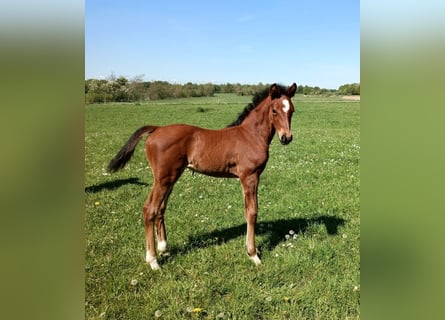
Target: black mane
{"points": [[256, 100]]}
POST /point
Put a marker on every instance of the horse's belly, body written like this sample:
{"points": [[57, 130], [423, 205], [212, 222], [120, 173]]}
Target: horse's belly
{"points": [[226, 172]]}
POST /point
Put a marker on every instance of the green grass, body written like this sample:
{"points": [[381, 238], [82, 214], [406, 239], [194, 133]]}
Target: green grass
{"points": [[310, 187]]}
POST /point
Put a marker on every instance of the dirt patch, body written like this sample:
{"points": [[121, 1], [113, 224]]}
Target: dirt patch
{"points": [[356, 98]]}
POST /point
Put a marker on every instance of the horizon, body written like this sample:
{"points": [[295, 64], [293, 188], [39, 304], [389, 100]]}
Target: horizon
{"points": [[112, 76]]}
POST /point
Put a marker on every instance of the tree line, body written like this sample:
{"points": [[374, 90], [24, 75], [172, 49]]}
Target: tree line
{"points": [[121, 89]]}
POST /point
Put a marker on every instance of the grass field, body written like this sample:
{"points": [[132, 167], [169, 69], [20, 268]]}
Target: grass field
{"points": [[308, 227]]}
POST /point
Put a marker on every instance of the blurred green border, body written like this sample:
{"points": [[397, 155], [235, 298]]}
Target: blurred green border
{"points": [[402, 159], [41, 137]]}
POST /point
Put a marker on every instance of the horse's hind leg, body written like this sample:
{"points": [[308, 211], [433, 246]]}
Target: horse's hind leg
{"points": [[149, 217], [160, 225], [154, 209], [151, 207]]}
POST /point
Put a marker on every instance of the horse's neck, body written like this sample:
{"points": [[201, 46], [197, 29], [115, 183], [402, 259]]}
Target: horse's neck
{"points": [[259, 123]]}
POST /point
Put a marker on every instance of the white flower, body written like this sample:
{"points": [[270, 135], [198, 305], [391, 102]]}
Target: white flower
{"points": [[158, 313], [134, 282], [291, 232]]}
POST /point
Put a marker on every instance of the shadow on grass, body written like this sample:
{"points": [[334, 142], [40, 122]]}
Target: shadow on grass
{"points": [[111, 185], [275, 231]]}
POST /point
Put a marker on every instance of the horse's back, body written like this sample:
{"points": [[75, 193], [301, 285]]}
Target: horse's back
{"points": [[175, 136]]}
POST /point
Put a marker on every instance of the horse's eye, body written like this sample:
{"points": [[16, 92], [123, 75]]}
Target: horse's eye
{"points": [[274, 112]]}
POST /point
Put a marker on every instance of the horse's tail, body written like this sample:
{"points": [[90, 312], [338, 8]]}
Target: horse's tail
{"points": [[126, 152]]}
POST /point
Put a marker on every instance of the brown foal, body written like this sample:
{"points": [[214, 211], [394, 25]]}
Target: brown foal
{"points": [[240, 150]]}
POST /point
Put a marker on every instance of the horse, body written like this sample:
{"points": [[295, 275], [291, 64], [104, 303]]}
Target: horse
{"points": [[240, 150]]}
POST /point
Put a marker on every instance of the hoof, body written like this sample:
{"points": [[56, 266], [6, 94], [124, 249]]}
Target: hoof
{"points": [[255, 259], [154, 265], [152, 261]]}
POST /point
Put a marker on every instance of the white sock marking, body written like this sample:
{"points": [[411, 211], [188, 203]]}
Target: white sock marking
{"points": [[162, 246], [255, 259], [152, 261]]}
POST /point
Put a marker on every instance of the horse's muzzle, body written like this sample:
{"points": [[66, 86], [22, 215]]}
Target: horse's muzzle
{"points": [[285, 140]]}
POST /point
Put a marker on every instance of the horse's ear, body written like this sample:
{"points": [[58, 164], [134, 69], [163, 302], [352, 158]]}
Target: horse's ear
{"points": [[274, 92], [292, 89]]}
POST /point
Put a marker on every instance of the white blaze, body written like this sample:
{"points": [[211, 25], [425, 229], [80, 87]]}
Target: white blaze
{"points": [[286, 105]]}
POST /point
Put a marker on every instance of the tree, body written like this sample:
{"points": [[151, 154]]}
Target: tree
{"points": [[98, 91], [349, 89], [120, 89], [136, 89]]}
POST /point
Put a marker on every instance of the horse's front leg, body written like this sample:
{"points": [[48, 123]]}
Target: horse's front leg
{"points": [[250, 190]]}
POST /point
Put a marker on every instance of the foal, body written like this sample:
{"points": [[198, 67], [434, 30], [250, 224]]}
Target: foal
{"points": [[240, 150]]}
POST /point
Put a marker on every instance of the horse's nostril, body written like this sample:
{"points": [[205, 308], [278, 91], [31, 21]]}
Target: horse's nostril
{"points": [[285, 140]]}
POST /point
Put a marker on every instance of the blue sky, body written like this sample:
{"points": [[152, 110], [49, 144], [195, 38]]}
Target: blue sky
{"points": [[314, 43]]}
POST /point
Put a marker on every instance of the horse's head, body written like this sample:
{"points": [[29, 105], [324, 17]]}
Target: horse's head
{"points": [[281, 111]]}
